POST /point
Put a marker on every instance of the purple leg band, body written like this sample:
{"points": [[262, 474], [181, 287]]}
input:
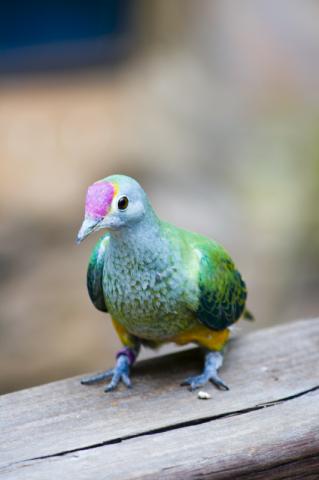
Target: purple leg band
{"points": [[128, 352]]}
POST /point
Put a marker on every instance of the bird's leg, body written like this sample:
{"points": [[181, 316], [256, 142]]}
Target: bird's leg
{"points": [[121, 372], [124, 360], [213, 361]]}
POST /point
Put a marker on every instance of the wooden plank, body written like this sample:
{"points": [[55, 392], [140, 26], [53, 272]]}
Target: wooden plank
{"points": [[278, 442], [53, 419]]}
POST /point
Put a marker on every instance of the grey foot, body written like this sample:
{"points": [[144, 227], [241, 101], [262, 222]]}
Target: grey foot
{"points": [[121, 372], [213, 361]]}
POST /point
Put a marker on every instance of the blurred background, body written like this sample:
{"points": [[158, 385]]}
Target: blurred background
{"points": [[213, 106]]}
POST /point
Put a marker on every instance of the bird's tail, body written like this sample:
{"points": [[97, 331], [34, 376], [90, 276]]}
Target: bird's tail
{"points": [[247, 315]]}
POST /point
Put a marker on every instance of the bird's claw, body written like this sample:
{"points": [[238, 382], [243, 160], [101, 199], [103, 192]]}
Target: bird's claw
{"points": [[119, 373], [117, 377], [213, 362], [216, 380], [201, 380], [97, 378], [194, 382]]}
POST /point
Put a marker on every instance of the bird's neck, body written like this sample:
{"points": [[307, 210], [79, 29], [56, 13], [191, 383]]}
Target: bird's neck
{"points": [[141, 242]]}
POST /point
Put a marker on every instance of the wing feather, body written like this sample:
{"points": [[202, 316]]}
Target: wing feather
{"points": [[95, 273], [222, 291]]}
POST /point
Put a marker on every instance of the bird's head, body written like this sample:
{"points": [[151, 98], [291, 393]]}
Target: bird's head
{"points": [[113, 203]]}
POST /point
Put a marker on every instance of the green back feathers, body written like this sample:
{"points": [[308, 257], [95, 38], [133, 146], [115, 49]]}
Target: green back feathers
{"points": [[222, 292]]}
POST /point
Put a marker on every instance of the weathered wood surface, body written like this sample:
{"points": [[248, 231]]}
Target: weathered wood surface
{"points": [[266, 426]]}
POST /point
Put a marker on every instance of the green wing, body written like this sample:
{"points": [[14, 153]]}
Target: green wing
{"points": [[95, 273], [222, 291]]}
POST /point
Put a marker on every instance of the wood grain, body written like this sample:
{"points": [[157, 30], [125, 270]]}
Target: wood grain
{"points": [[160, 430], [281, 441]]}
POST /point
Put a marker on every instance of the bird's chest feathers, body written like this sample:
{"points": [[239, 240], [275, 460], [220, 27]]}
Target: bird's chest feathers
{"points": [[143, 288]]}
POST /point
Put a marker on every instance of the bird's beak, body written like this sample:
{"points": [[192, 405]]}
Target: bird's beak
{"points": [[89, 225]]}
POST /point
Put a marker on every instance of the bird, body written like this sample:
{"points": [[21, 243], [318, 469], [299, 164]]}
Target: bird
{"points": [[159, 283]]}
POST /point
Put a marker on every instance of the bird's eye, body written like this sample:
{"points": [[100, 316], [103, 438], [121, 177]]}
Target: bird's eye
{"points": [[122, 203]]}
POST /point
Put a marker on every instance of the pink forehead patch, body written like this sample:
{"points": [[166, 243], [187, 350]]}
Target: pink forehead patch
{"points": [[98, 199]]}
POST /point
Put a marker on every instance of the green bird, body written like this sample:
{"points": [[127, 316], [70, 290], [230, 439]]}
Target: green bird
{"points": [[158, 282]]}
